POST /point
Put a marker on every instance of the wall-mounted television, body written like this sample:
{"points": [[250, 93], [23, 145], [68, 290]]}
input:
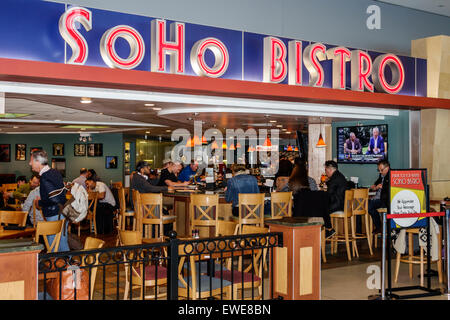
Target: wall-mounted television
{"points": [[362, 144]]}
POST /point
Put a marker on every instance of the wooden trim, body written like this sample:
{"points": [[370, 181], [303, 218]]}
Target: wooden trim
{"points": [[72, 75]]}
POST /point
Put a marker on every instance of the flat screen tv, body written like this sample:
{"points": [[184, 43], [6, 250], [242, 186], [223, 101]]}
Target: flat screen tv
{"points": [[362, 144]]}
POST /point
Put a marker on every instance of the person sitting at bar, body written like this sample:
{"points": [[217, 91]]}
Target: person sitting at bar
{"points": [[336, 186], [169, 178], [299, 179], [28, 204], [81, 180], [93, 175], [189, 171], [23, 189], [140, 180], [381, 198], [240, 183], [105, 205], [352, 144], [284, 171], [52, 193]]}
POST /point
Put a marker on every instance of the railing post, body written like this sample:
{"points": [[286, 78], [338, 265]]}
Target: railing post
{"points": [[172, 269], [447, 249]]}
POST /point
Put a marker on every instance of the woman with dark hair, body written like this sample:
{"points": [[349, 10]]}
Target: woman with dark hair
{"points": [[93, 175], [299, 179]]}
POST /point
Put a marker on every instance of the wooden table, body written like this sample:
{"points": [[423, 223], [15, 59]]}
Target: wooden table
{"points": [[14, 234]]}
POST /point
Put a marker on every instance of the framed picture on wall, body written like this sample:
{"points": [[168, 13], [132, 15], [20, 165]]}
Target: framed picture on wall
{"points": [[58, 149], [95, 150], [60, 165], [111, 162], [79, 150], [21, 152], [5, 153]]}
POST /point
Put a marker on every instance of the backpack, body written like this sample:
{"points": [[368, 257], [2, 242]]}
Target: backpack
{"points": [[76, 208]]}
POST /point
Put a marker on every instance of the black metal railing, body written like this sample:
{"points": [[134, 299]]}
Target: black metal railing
{"points": [[231, 267]]}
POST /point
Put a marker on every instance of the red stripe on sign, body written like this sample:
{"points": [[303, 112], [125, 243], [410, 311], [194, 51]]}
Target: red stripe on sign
{"points": [[415, 215]]}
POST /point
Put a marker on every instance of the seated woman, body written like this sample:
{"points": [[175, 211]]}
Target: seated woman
{"points": [[240, 183]]}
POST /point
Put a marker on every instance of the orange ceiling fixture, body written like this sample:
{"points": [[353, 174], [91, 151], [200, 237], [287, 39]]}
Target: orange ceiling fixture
{"points": [[251, 149], [267, 142], [214, 145], [296, 149], [238, 145], [197, 141], [321, 142], [224, 145], [232, 147], [190, 143], [289, 148], [204, 140]]}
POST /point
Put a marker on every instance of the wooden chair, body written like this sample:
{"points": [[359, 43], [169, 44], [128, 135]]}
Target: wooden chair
{"points": [[226, 228], [92, 210], [253, 274], [346, 237], [116, 185], [89, 244], [360, 208], [411, 259], [154, 275], [149, 210], [251, 209], [49, 228], [124, 213], [13, 217], [204, 211], [188, 285], [281, 204], [11, 187]]}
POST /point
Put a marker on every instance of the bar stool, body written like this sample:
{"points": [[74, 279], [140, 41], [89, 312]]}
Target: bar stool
{"points": [[346, 215], [124, 213], [360, 208], [411, 259], [281, 204], [149, 211], [204, 211], [375, 236], [251, 210]]}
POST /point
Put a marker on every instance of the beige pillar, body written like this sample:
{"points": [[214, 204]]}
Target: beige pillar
{"points": [[318, 156], [435, 123]]}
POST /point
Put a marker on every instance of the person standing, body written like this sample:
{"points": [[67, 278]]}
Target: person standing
{"points": [[381, 198], [52, 193]]}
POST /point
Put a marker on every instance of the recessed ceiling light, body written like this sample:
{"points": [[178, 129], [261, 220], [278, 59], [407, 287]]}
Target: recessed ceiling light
{"points": [[288, 132], [157, 108], [279, 126], [57, 120], [15, 127], [149, 104], [100, 113], [85, 100], [133, 113], [284, 129], [82, 128], [147, 131], [168, 130], [273, 121]]}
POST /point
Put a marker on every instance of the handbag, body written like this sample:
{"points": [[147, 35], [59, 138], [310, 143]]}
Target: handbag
{"points": [[72, 280], [74, 242]]}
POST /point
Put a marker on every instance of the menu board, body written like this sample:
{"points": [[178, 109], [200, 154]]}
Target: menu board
{"points": [[408, 195]]}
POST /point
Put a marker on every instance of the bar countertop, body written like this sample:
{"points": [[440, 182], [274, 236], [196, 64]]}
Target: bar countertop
{"points": [[19, 245], [293, 222]]}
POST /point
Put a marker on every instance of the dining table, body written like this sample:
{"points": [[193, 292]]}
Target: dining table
{"points": [[16, 234]]}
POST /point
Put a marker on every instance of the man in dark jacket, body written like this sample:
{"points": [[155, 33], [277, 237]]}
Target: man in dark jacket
{"points": [[381, 199], [336, 186], [51, 193], [140, 180]]}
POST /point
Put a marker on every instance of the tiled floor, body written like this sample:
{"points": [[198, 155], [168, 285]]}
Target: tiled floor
{"points": [[340, 279]]}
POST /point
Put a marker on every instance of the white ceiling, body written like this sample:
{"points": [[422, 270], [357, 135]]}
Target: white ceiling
{"points": [[441, 7]]}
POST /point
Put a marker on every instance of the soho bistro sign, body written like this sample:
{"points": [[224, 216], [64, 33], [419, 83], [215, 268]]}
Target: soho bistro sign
{"points": [[103, 38]]}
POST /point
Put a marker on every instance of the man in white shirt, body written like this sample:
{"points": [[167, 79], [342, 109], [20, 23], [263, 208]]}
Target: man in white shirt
{"points": [[105, 205]]}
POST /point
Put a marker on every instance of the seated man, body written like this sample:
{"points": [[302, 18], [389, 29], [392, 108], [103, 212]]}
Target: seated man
{"points": [[169, 178], [28, 204], [81, 180], [381, 199], [336, 186], [140, 180], [240, 183], [188, 172], [105, 205], [352, 145], [22, 191]]}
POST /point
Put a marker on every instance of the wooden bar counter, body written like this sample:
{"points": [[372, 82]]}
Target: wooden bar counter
{"points": [[19, 269], [297, 264]]}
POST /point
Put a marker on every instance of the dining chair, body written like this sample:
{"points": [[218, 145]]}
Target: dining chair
{"points": [[155, 275], [49, 228], [281, 204], [251, 209], [226, 228], [116, 185], [412, 259], [14, 217], [204, 212], [92, 210], [11, 187], [250, 276], [360, 208], [192, 285], [347, 236], [124, 213], [149, 210], [89, 244]]}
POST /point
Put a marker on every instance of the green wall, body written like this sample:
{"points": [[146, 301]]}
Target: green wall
{"points": [[398, 148], [112, 146]]}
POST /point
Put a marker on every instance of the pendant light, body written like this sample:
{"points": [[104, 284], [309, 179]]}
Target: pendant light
{"points": [[189, 143], [224, 145], [267, 142], [214, 145], [204, 141], [321, 143], [196, 141]]}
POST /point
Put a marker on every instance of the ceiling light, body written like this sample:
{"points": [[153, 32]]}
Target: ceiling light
{"points": [[273, 121], [100, 113], [288, 132], [15, 127], [279, 126], [168, 130], [147, 131], [284, 129], [149, 104], [157, 109], [85, 100], [57, 120]]}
